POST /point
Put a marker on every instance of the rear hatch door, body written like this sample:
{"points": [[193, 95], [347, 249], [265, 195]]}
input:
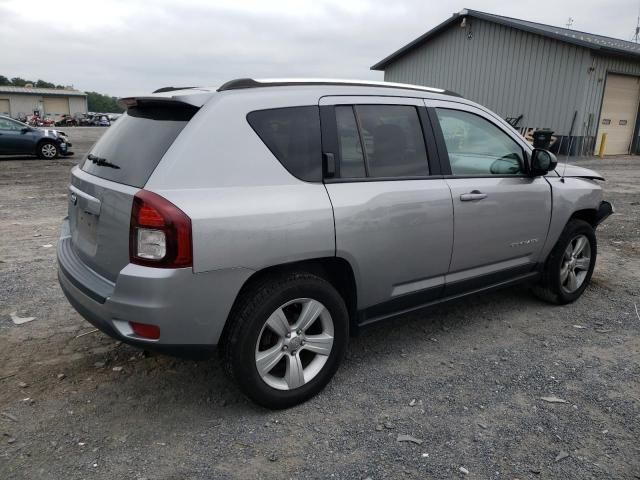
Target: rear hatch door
{"points": [[115, 169]]}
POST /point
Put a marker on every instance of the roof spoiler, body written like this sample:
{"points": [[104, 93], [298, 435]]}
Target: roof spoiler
{"points": [[171, 89], [193, 99]]}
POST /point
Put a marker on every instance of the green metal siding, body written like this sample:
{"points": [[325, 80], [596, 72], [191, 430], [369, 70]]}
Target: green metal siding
{"points": [[510, 71]]}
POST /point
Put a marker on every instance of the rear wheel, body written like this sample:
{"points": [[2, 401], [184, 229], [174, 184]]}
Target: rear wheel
{"points": [[47, 150], [570, 264], [286, 340]]}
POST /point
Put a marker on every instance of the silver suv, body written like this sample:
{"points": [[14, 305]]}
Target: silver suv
{"points": [[274, 218]]}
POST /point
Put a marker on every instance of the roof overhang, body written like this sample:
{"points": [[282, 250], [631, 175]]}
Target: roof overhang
{"points": [[505, 21], [61, 93]]}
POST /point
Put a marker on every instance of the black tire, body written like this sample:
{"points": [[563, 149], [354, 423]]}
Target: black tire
{"points": [[45, 148], [550, 288], [249, 315]]}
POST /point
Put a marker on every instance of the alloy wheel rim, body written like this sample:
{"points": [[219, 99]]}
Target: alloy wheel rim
{"points": [[294, 344], [576, 261], [49, 150]]}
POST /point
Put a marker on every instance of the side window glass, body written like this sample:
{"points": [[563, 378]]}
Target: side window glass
{"points": [[393, 141], [9, 125], [478, 147], [293, 136], [351, 155]]}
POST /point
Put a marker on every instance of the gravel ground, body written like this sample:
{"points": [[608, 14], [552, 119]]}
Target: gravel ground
{"points": [[466, 380]]}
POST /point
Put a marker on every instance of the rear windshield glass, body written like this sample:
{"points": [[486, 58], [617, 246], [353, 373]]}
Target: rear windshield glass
{"points": [[130, 150], [293, 136]]}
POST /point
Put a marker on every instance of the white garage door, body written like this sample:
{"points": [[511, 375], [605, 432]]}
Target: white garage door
{"points": [[619, 111], [56, 106], [4, 107]]}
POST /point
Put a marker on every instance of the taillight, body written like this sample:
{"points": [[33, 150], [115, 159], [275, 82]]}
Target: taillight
{"points": [[160, 233]]}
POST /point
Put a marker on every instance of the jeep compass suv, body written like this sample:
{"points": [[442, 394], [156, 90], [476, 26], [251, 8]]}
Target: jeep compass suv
{"points": [[272, 218]]}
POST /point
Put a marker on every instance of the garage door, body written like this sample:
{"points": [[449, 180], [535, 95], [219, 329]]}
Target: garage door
{"points": [[619, 111], [56, 106], [4, 107]]}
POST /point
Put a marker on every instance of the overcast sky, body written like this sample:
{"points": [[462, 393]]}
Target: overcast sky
{"points": [[122, 47]]}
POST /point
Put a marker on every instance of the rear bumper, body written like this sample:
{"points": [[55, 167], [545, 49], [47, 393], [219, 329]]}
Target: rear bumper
{"points": [[190, 309]]}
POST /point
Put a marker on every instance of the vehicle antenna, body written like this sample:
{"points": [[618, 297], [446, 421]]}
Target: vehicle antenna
{"points": [[573, 122]]}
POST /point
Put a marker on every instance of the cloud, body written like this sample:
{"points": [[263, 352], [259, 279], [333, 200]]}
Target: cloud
{"points": [[120, 47]]}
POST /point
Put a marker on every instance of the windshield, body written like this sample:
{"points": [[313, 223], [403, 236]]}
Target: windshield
{"points": [[132, 148]]}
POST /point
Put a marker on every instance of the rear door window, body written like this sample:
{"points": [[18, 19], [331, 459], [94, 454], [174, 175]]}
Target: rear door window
{"points": [[351, 154], [132, 147], [293, 136], [383, 141]]}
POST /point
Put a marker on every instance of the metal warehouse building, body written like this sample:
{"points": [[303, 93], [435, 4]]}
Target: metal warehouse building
{"points": [[550, 77], [17, 102]]}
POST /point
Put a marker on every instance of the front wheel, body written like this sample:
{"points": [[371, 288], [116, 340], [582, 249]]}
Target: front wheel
{"points": [[287, 338], [47, 150], [568, 269]]}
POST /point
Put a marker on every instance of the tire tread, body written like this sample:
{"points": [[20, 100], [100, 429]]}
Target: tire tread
{"points": [[545, 289], [246, 306]]}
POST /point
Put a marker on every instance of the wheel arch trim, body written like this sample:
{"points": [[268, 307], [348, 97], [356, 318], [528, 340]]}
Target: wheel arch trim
{"points": [[338, 271]]}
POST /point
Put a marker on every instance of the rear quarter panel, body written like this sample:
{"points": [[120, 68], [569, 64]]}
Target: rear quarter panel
{"points": [[247, 210]]}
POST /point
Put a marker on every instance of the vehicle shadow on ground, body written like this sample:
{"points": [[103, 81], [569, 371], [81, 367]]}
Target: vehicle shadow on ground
{"points": [[34, 157], [201, 388], [18, 157]]}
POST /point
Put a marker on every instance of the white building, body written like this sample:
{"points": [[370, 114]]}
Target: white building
{"points": [[49, 102]]}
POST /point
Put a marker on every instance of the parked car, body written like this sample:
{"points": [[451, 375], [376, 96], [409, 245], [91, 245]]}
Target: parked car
{"points": [[67, 121], [17, 138], [311, 209], [86, 120], [103, 121]]}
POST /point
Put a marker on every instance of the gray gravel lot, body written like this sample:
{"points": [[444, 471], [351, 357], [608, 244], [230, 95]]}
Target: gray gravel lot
{"points": [[466, 379]]}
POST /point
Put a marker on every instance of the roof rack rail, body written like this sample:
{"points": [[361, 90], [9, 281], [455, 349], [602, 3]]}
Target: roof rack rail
{"points": [[171, 89], [242, 83]]}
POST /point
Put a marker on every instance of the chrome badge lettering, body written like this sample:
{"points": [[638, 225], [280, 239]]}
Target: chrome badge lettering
{"points": [[524, 242]]}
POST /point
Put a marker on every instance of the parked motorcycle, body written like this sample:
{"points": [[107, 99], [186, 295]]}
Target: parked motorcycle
{"points": [[37, 121]]}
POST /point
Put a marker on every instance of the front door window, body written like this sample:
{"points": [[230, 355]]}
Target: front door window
{"points": [[477, 147]]}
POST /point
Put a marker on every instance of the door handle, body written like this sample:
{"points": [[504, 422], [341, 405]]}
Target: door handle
{"points": [[330, 164], [473, 195]]}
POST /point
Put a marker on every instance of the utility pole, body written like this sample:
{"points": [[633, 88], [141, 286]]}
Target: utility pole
{"points": [[569, 22], [637, 34]]}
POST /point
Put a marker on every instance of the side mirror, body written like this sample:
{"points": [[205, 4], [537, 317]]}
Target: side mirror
{"points": [[26, 129], [542, 162]]}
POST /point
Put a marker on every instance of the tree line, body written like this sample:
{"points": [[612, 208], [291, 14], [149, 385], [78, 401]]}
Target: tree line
{"points": [[96, 102]]}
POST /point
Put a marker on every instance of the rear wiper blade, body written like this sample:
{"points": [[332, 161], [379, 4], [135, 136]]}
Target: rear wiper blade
{"points": [[102, 162]]}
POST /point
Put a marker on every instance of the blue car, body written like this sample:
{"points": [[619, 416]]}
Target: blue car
{"points": [[17, 138]]}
